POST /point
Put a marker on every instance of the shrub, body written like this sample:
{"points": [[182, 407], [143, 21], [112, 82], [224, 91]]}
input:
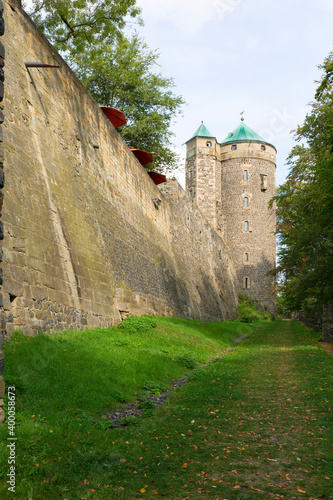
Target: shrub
{"points": [[186, 359], [249, 310], [138, 324]]}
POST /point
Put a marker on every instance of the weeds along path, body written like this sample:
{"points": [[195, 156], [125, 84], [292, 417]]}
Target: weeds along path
{"points": [[255, 424]]}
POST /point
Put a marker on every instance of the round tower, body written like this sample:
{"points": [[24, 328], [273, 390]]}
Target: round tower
{"points": [[248, 166], [232, 183]]}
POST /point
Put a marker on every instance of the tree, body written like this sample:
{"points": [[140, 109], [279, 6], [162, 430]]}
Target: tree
{"points": [[73, 25], [122, 75], [117, 71], [305, 207]]}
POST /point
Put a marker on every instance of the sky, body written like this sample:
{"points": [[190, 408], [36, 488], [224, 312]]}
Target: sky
{"points": [[229, 56]]}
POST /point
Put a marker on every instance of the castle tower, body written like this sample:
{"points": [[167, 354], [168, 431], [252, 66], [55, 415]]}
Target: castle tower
{"points": [[203, 172], [232, 183]]}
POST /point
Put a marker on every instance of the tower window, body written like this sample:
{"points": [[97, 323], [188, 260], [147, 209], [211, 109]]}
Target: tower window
{"points": [[246, 202], [234, 147], [191, 174], [209, 144], [191, 193], [246, 283], [246, 226], [263, 148], [263, 182], [245, 176], [246, 257]]}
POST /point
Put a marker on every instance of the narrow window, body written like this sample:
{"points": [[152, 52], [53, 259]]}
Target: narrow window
{"points": [[191, 174], [263, 148], [246, 282], [246, 202], [263, 182], [209, 144], [246, 226], [234, 147], [191, 193], [246, 257], [245, 175]]}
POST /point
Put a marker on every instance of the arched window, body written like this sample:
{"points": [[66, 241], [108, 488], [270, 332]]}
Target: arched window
{"points": [[246, 226], [209, 144], [263, 148], [246, 202], [245, 175], [246, 257]]}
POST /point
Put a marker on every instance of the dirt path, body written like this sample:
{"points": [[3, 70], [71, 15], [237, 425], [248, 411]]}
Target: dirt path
{"points": [[255, 424]]}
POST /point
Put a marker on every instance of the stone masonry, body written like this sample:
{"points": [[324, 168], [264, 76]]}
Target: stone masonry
{"points": [[232, 185], [2, 177], [85, 245]]}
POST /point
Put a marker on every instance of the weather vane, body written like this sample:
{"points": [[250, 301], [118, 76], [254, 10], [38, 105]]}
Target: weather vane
{"points": [[242, 115]]}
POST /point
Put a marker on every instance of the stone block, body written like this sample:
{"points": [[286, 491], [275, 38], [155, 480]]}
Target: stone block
{"points": [[2, 387], [2, 416]]}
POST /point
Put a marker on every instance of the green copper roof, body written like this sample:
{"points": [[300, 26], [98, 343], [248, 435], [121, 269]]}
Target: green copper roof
{"points": [[201, 132], [243, 133]]}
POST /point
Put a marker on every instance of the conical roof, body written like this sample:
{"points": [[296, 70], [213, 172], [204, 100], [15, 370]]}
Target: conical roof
{"points": [[243, 133], [202, 131]]}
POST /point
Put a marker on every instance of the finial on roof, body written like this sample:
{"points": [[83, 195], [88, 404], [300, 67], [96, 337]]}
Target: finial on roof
{"points": [[242, 115]]}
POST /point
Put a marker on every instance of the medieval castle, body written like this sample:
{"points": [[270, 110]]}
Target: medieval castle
{"points": [[88, 236], [232, 183]]}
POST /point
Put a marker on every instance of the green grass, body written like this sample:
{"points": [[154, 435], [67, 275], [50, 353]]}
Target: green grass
{"points": [[255, 424], [66, 382]]}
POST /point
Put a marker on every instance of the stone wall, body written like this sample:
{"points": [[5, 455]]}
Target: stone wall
{"points": [[220, 190], [84, 242], [2, 178], [327, 324]]}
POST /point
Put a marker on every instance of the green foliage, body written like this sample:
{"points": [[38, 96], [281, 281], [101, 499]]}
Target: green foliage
{"points": [[117, 71], [123, 75], [137, 324], [126, 421], [187, 360], [305, 208], [248, 310], [153, 387], [74, 26]]}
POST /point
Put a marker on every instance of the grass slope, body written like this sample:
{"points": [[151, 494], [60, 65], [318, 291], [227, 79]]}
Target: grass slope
{"points": [[255, 424], [66, 382]]}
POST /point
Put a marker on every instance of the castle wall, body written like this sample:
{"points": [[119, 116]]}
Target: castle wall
{"points": [[84, 243], [2, 182]]}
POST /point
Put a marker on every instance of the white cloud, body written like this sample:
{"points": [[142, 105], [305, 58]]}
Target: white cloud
{"points": [[187, 14]]}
